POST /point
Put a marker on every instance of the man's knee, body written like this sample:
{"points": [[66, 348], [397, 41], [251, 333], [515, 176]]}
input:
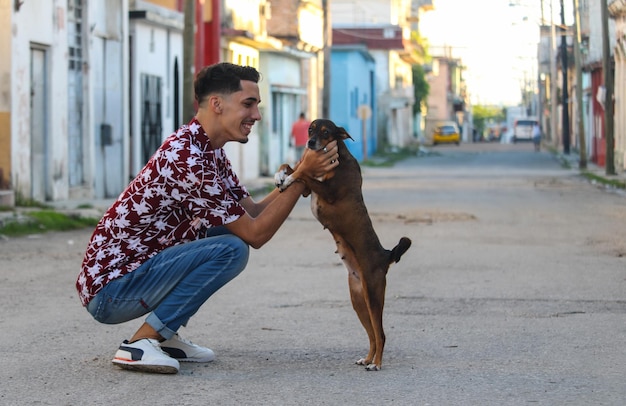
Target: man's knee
{"points": [[240, 250]]}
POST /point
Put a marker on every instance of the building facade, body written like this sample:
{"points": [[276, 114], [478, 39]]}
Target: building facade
{"points": [[91, 88], [384, 27], [66, 99], [617, 10]]}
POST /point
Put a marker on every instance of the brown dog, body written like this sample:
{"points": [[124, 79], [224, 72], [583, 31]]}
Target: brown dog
{"points": [[337, 202]]}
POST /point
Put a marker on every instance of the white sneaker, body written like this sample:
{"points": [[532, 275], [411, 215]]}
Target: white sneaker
{"points": [[186, 351], [145, 355]]}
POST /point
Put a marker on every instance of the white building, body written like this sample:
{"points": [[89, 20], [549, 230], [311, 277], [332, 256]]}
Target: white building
{"points": [[66, 85], [93, 88]]}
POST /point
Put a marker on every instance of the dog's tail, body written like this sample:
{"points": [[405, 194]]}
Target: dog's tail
{"points": [[399, 249]]}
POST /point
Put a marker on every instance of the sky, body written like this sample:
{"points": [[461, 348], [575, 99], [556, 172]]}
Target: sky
{"points": [[496, 42]]}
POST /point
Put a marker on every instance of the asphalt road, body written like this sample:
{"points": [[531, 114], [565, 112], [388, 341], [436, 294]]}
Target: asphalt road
{"points": [[513, 293]]}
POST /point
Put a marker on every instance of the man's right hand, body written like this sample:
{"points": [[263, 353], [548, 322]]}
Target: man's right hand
{"points": [[317, 163]]}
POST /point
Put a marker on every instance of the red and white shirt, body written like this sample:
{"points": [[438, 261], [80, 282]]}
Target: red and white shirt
{"points": [[184, 189]]}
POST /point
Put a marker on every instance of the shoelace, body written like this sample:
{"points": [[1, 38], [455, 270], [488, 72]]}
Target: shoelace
{"points": [[185, 341], [157, 346]]}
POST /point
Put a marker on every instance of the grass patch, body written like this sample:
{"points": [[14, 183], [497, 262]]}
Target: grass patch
{"points": [[618, 184], [388, 159], [37, 222]]}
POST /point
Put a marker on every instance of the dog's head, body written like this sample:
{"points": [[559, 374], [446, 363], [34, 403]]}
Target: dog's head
{"points": [[322, 131]]}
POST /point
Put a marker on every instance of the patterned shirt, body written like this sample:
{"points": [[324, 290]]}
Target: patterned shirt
{"points": [[184, 189]]}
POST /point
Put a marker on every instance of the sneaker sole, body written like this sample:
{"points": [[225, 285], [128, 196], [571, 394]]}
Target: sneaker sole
{"points": [[155, 369], [194, 359]]}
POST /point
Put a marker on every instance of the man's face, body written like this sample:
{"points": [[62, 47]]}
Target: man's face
{"points": [[241, 111]]}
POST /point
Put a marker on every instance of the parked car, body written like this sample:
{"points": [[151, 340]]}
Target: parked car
{"points": [[523, 129], [446, 132]]}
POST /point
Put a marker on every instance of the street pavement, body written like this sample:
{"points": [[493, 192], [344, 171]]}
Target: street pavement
{"points": [[513, 293]]}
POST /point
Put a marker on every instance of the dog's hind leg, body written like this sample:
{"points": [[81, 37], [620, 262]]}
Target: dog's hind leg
{"points": [[359, 304], [375, 285], [357, 294]]}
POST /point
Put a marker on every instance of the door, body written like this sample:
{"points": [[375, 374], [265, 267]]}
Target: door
{"points": [[285, 111], [151, 118], [39, 187]]}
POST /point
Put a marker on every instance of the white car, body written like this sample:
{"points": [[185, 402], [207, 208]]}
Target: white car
{"points": [[523, 129]]}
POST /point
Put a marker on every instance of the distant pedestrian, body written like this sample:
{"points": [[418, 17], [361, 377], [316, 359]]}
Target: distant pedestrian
{"points": [[300, 134], [537, 137]]}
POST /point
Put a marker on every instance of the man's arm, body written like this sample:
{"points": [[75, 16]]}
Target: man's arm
{"points": [[256, 231], [255, 208], [263, 219]]}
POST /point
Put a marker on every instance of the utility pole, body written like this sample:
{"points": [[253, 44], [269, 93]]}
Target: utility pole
{"points": [[189, 45], [565, 112], [553, 85], [328, 35], [582, 162], [608, 85]]}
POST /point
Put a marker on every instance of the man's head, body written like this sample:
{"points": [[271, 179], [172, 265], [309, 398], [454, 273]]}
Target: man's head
{"points": [[228, 101], [222, 78]]}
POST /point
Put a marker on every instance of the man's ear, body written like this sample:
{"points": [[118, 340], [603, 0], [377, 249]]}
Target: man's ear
{"points": [[215, 102]]}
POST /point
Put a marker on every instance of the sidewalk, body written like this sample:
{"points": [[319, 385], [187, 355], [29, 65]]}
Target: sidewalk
{"points": [[255, 187], [95, 208], [572, 161]]}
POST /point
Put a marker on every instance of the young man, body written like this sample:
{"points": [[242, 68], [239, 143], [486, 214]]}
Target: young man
{"points": [[181, 229]]}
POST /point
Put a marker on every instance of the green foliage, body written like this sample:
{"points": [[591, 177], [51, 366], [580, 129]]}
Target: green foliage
{"points": [[388, 159], [37, 222], [420, 84], [483, 115], [421, 88], [615, 183]]}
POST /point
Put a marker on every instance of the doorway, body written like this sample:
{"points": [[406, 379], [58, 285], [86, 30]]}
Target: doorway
{"points": [[39, 139]]}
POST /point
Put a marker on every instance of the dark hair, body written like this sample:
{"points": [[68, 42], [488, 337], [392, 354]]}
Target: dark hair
{"points": [[223, 78]]}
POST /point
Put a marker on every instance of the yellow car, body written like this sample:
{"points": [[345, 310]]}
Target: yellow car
{"points": [[446, 133]]}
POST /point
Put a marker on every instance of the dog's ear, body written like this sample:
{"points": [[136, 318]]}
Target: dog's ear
{"points": [[343, 134]]}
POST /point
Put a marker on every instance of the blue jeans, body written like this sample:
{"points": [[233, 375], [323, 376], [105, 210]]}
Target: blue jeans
{"points": [[173, 284]]}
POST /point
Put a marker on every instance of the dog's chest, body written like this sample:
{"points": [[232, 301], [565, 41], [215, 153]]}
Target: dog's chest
{"points": [[322, 210], [315, 208]]}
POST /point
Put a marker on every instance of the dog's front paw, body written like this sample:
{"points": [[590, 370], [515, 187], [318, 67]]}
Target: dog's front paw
{"points": [[280, 177], [372, 367], [283, 181]]}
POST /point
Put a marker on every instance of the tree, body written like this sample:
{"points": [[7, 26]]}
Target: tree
{"points": [[485, 114], [421, 88]]}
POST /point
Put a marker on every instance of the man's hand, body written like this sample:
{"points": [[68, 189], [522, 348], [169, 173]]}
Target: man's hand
{"points": [[317, 163]]}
